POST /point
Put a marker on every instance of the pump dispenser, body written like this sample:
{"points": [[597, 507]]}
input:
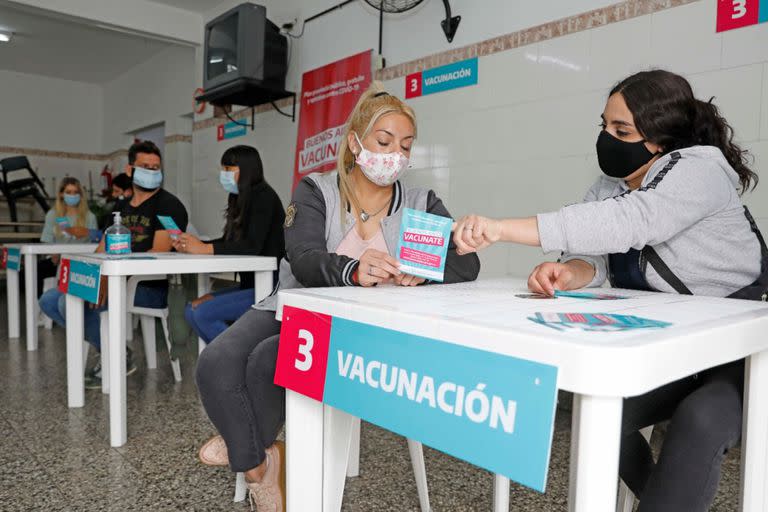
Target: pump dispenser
{"points": [[118, 237]]}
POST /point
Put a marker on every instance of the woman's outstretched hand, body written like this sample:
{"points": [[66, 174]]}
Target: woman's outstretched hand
{"points": [[473, 233], [548, 277]]}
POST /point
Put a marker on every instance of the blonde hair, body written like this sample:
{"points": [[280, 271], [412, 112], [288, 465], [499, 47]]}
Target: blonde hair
{"points": [[374, 104], [61, 207]]}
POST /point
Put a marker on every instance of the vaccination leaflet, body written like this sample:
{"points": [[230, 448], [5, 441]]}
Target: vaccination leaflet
{"points": [[588, 295], [423, 244], [595, 322], [170, 226]]}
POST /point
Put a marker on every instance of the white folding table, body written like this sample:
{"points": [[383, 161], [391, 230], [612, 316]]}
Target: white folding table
{"points": [[29, 253], [599, 368], [116, 270]]}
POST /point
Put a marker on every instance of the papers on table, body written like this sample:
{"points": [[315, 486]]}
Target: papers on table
{"points": [[595, 322], [589, 295]]}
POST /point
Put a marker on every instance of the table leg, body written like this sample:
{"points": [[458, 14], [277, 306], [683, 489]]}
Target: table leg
{"points": [[304, 458], [75, 363], [12, 282], [118, 424], [262, 285], [500, 493], [337, 435], [203, 287], [597, 458], [30, 298], [573, 470], [754, 439]]}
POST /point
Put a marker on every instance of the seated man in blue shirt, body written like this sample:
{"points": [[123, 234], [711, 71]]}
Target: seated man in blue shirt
{"points": [[140, 216]]}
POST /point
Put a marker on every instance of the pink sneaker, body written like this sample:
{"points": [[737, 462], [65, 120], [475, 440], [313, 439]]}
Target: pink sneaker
{"points": [[214, 452], [269, 494]]}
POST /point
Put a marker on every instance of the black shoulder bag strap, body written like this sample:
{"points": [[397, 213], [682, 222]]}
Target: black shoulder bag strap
{"points": [[650, 254], [664, 271], [756, 231]]}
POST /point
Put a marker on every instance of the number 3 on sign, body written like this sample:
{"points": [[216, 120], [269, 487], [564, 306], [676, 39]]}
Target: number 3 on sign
{"points": [[413, 85], [304, 362], [302, 353], [739, 9], [733, 14]]}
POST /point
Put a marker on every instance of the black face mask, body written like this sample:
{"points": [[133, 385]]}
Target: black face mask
{"points": [[619, 159]]}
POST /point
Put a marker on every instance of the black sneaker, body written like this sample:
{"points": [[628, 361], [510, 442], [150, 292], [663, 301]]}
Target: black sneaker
{"points": [[130, 366], [93, 376]]}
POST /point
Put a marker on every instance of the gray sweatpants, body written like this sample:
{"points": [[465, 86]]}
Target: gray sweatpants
{"points": [[235, 376]]}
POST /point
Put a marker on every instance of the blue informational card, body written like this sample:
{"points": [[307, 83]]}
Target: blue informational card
{"points": [[63, 223], [597, 322], [589, 295], [170, 226], [423, 244]]}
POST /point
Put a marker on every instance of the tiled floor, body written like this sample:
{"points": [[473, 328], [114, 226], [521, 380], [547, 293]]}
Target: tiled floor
{"points": [[53, 458]]}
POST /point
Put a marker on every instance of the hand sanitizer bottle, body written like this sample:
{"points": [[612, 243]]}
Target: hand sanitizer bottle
{"points": [[118, 237]]}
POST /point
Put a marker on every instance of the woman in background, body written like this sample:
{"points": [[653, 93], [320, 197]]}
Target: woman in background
{"points": [[69, 221], [253, 226]]}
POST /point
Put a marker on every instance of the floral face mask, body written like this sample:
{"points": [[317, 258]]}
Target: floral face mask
{"points": [[382, 169]]}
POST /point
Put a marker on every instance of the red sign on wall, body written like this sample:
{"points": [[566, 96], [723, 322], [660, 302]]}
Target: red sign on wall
{"points": [[733, 14], [328, 95]]}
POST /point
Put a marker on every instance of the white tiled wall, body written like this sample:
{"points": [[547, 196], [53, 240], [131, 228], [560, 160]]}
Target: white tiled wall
{"points": [[522, 141]]}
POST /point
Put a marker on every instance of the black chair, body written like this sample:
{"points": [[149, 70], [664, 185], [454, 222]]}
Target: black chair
{"points": [[20, 188]]}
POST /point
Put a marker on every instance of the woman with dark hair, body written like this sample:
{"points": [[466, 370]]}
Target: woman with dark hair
{"points": [[667, 216], [254, 226]]}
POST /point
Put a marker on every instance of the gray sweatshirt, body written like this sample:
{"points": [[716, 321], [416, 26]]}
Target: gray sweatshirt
{"points": [[691, 214]]}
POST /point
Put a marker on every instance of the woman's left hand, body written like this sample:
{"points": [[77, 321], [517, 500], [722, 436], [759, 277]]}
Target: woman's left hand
{"points": [[474, 233], [408, 280], [190, 244]]}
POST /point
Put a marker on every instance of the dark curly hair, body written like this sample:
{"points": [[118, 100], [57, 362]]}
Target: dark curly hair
{"points": [[668, 114]]}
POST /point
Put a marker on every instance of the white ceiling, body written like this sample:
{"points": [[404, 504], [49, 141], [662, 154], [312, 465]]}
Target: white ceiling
{"points": [[60, 48], [200, 6]]}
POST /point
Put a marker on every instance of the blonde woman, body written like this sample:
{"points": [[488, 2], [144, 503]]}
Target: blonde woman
{"points": [[69, 221], [341, 229]]}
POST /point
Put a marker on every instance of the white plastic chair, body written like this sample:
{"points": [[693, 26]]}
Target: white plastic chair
{"points": [[146, 317], [416, 451], [626, 500]]}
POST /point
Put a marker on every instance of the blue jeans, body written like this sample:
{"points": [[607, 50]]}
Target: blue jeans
{"points": [[53, 303], [212, 317]]}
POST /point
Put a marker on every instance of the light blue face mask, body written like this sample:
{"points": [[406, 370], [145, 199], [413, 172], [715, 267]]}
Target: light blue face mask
{"points": [[147, 178], [227, 180], [72, 199]]}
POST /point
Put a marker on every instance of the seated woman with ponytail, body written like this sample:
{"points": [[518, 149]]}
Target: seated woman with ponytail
{"points": [[340, 230], [666, 217], [254, 226]]}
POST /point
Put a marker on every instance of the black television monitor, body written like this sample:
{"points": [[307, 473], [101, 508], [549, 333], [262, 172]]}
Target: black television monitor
{"points": [[243, 45]]}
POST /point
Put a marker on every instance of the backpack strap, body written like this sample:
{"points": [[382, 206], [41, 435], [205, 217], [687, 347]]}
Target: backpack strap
{"points": [[756, 231], [661, 268]]}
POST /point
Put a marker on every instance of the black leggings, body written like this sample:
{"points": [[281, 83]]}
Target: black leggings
{"points": [[235, 375], [45, 268], [706, 413]]}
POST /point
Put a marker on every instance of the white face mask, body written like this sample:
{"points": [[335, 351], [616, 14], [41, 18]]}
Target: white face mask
{"points": [[382, 169]]}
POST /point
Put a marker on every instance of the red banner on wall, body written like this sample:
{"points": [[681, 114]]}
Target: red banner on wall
{"points": [[328, 95]]}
